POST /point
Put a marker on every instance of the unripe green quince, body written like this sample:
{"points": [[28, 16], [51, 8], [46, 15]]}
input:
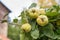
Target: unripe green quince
{"points": [[42, 20], [26, 27], [42, 11], [33, 13]]}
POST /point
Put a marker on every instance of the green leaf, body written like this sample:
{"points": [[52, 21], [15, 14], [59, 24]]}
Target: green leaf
{"points": [[24, 19], [15, 20], [22, 36], [51, 39], [48, 31], [33, 5], [53, 11], [57, 7], [58, 22], [19, 16], [33, 24], [51, 14], [41, 34], [26, 38], [13, 32], [58, 37], [35, 34], [58, 31], [52, 20]]}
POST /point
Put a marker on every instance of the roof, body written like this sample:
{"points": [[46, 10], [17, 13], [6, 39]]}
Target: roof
{"points": [[5, 7]]}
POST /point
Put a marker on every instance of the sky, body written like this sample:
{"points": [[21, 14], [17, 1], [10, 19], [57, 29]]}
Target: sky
{"points": [[16, 6]]}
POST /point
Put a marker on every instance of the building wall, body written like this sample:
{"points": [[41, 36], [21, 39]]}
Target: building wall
{"points": [[3, 26]]}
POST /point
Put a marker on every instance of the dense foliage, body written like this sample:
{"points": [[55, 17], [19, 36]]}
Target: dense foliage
{"points": [[13, 32], [48, 30]]}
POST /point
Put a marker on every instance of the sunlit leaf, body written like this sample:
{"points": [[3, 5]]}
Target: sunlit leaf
{"points": [[33, 5], [35, 34], [51, 14]]}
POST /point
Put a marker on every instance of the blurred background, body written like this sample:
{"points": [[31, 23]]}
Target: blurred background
{"points": [[16, 6]]}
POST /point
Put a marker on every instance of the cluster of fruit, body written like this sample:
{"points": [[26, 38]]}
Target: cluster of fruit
{"points": [[40, 24], [38, 15]]}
